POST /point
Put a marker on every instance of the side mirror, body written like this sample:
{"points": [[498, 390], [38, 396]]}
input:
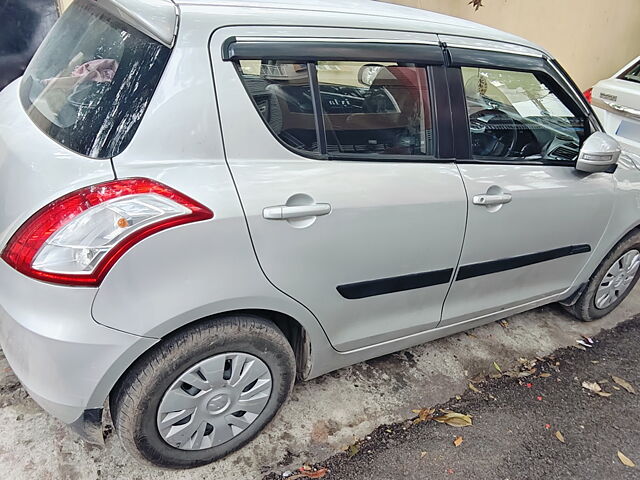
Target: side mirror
{"points": [[598, 153]]}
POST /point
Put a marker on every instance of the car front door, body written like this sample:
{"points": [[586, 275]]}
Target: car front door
{"points": [[533, 218], [335, 148]]}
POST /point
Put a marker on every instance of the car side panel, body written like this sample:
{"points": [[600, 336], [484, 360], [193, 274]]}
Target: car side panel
{"points": [[625, 215], [186, 273]]}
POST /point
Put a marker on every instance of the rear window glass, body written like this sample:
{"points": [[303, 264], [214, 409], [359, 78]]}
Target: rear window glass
{"points": [[91, 81], [368, 109], [633, 74]]}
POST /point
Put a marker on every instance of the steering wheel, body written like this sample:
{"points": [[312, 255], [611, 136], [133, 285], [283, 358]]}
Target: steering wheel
{"points": [[493, 133]]}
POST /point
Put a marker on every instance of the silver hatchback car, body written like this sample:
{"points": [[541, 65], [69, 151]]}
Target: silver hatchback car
{"points": [[201, 200]]}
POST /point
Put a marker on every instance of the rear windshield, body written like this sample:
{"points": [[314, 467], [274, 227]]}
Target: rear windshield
{"points": [[633, 74], [91, 80]]}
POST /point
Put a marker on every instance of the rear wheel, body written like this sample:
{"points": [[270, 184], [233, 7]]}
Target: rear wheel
{"points": [[204, 392], [611, 283]]}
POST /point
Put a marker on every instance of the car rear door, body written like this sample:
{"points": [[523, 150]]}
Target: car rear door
{"points": [[616, 100], [356, 209], [533, 218]]}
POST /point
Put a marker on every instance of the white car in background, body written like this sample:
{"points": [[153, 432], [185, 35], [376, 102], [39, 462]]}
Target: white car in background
{"points": [[616, 101]]}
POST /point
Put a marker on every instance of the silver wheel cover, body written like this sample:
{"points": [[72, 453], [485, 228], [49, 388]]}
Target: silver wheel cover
{"points": [[618, 279], [213, 401]]}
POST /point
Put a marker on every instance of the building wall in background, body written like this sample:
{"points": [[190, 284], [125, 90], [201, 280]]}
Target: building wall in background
{"points": [[592, 39]]}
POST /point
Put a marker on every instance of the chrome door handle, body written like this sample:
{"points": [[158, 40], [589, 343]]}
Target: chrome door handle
{"points": [[490, 200], [285, 212]]}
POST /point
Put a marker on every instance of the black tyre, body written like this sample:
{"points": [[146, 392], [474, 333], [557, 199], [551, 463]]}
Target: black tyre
{"points": [[613, 280], [203, 392]]}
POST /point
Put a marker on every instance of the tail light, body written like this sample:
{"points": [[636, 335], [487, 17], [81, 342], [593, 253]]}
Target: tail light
{"points": [[76, 239], [587, 94]]}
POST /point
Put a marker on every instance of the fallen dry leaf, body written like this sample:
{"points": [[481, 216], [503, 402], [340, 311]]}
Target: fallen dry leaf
{"points": [[497, 367], [527, 373], [423, 454], [559, 436], [624, 384], [424, 414], [455, 419], [458, 441], [320, 473], [544, 375], [595, 388], [504, 323], [473, 388], [625, 460]]}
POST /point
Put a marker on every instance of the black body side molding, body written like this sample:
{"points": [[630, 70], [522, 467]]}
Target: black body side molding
{"points": [[494, 266], [371, 288]]}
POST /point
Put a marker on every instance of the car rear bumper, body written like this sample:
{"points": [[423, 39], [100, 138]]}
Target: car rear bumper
{"points": [[65, 360]]}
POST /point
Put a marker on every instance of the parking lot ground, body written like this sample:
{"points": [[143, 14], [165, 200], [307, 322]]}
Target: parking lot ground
{"points": [[324, 415], [532, 427]]}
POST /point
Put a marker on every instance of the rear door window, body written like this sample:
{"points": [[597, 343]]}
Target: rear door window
{"points": [[368, 110], [91, 80], [375, 108]]}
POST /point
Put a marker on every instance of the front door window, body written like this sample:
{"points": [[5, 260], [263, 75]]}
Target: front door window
{"points": [[515, 115]]}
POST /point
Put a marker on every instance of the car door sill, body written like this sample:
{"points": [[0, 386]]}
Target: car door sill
{"points": [[406, 341]]}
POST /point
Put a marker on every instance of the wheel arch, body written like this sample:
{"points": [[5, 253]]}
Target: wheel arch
{"points": [[592, 267], [293, 330]]}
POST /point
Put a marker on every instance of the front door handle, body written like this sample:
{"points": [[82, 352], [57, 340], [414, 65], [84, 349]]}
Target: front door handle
{"points": [[489, 200], [285, 212]]}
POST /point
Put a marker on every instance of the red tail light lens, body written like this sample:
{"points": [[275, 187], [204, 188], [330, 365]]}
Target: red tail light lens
{"points": [[76, 239], [587, 94]]}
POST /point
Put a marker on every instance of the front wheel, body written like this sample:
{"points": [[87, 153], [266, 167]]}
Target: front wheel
{"points": [[203, 392], [611, 283]]}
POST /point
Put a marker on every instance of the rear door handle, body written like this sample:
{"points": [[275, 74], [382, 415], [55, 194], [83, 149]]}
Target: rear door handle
{"points": [[489, 200], [285, 212]]}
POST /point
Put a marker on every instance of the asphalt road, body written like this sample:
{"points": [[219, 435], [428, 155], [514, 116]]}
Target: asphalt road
{"points": [[327, 414], [515, 421]]}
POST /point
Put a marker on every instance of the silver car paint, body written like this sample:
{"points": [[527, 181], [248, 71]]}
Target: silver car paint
{"points": [[158, 287], [545, 199], [65, 360], [387, 219], [156, 18], [350, 14]]}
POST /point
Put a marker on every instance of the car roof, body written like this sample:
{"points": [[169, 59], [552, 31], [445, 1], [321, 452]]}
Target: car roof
{"points": [[399, 17]]}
